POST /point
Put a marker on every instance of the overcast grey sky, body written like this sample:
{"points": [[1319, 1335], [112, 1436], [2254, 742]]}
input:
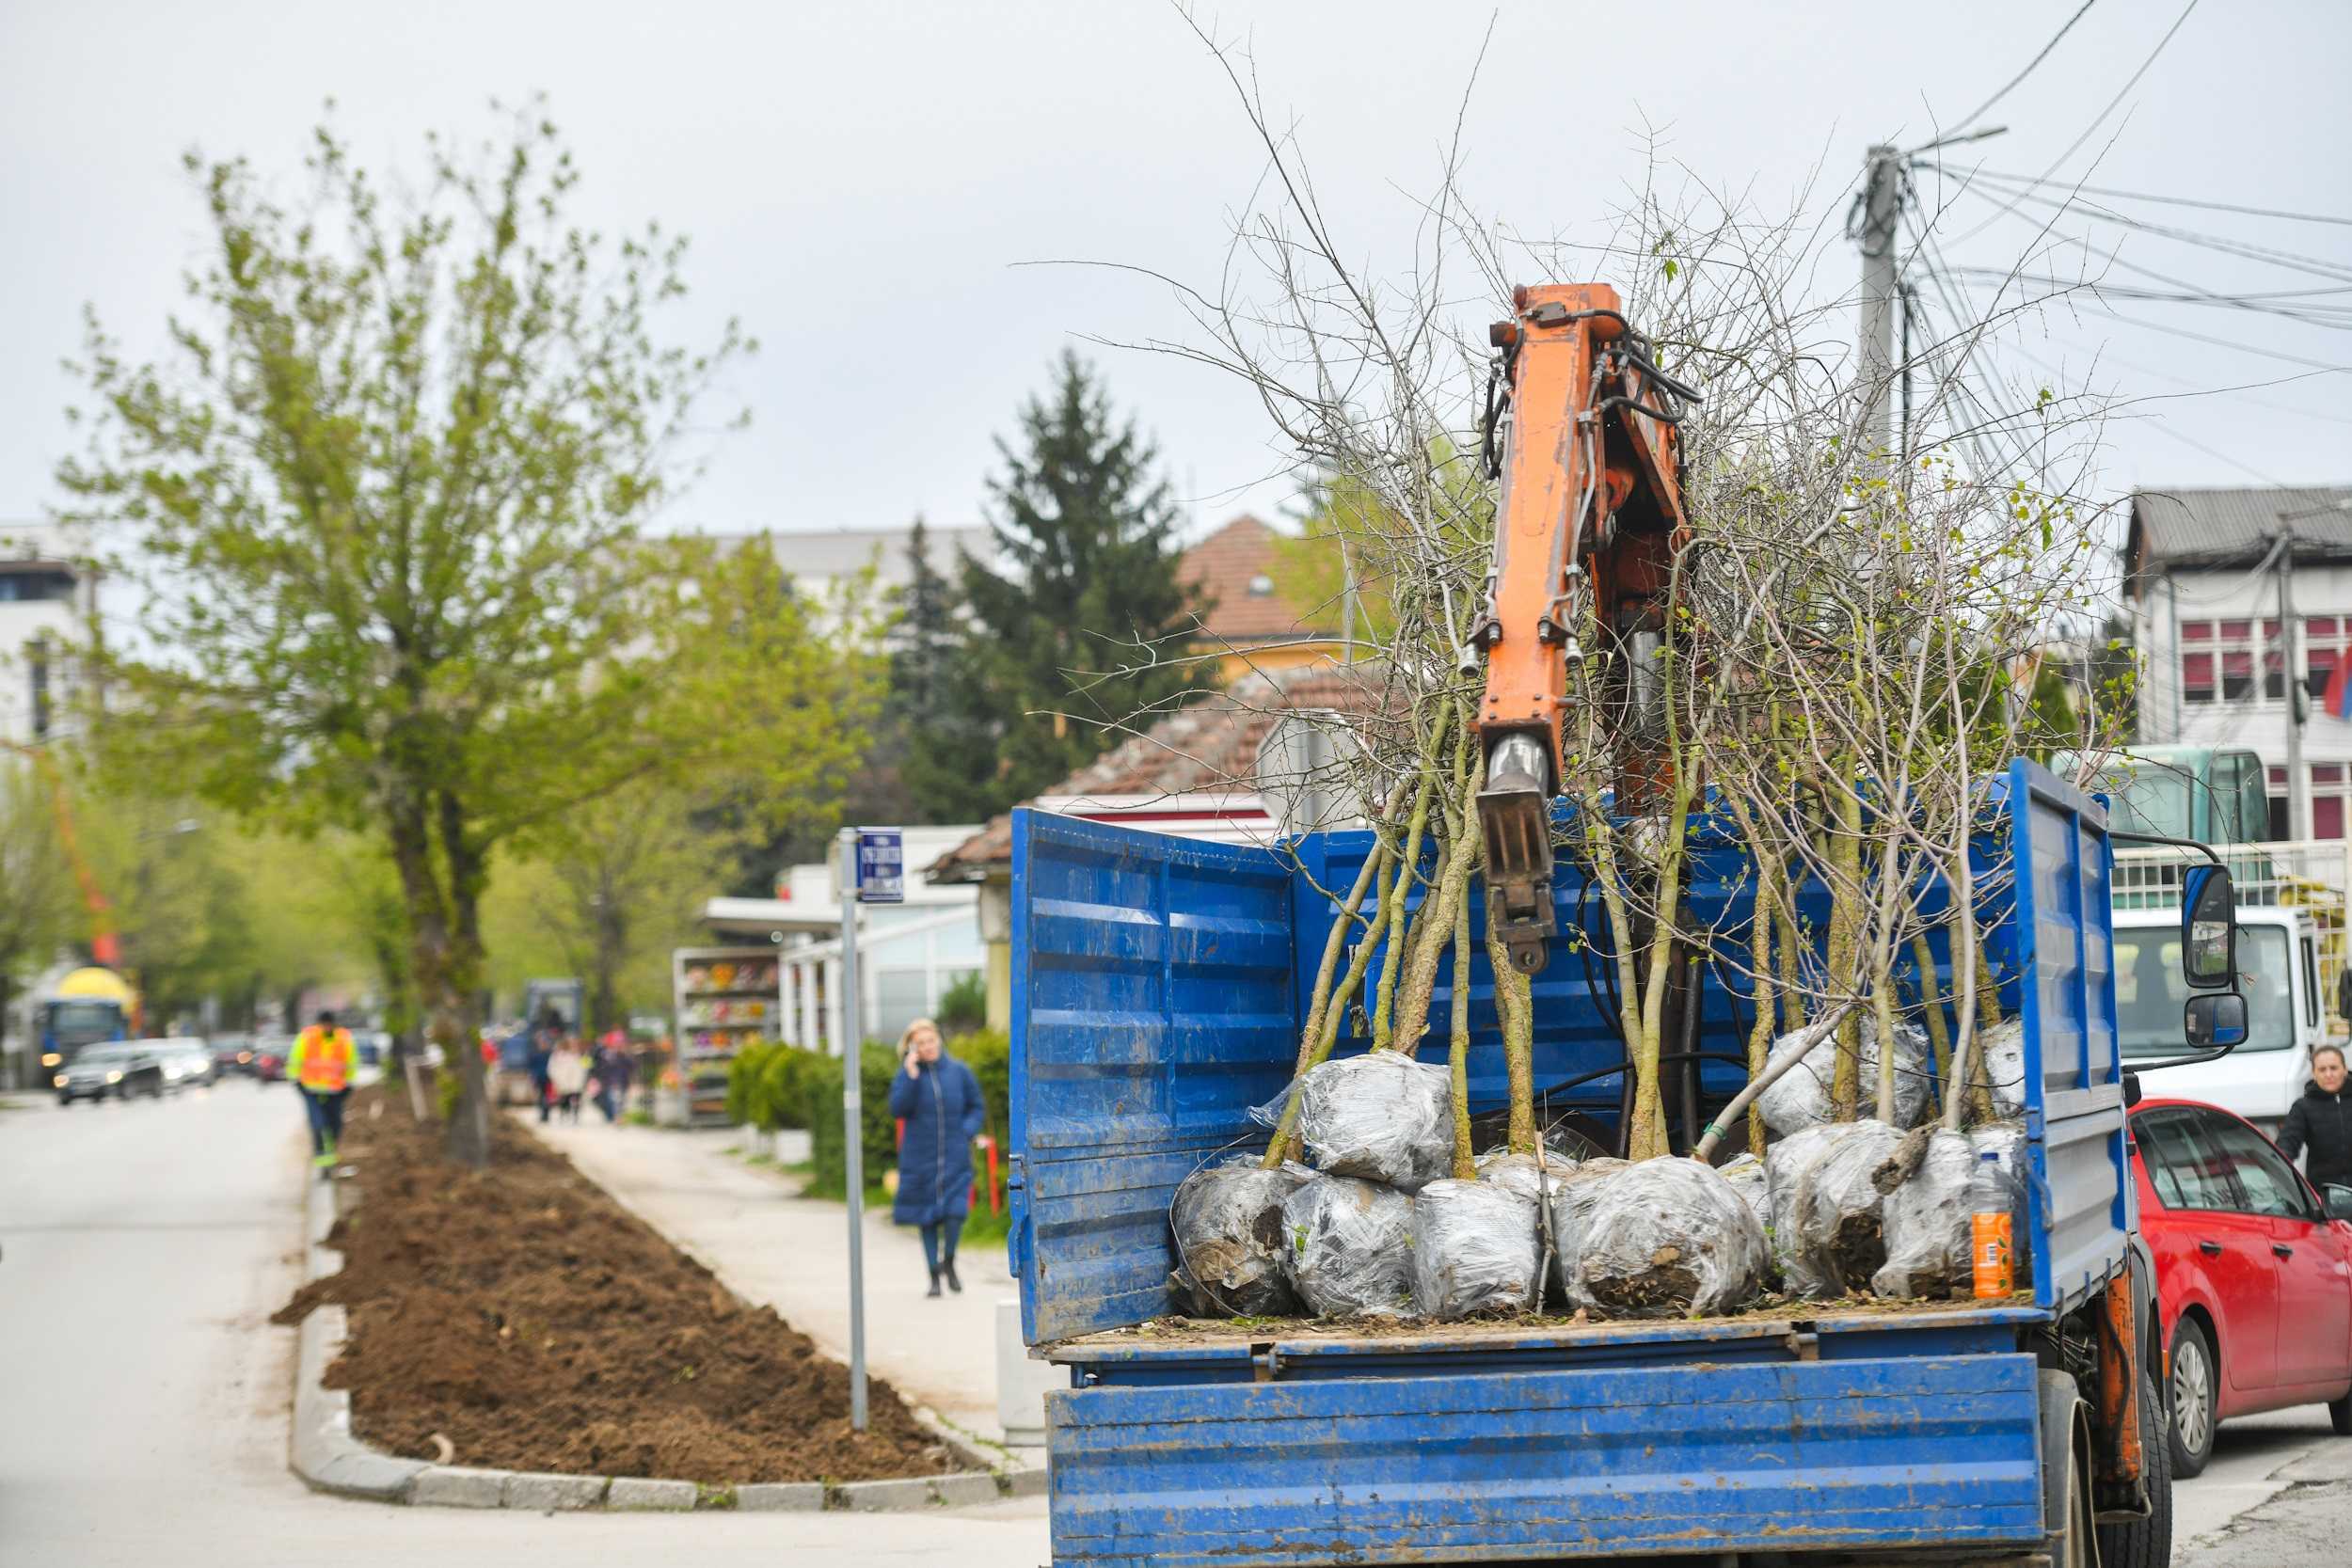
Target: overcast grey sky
{"points": [[862, 181]]}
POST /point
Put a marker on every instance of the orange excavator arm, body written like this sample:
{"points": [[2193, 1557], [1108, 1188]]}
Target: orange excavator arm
{"points": [[1588, 520]]}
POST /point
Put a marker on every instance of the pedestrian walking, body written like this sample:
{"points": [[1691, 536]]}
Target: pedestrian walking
{"points": [[547, 1033], [939, 1101], [567, 1076], [613, 1072], [321, 1067], [2321, 1123]]}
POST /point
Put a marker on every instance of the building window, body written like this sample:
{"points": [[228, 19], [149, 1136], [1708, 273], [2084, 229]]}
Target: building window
{"points": [[2279, 833], [2327, 799], [31, 587], [2197, 662]]}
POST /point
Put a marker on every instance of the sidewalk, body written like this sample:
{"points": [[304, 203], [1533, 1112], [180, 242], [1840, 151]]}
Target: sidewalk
{"points": [[772, 1247]]}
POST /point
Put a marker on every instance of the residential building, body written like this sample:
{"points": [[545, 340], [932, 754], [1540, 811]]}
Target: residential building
{"points": [[1247, 764], [908, 954], [1256, 620], [821, 561], [2204, 571], [48, 596]]}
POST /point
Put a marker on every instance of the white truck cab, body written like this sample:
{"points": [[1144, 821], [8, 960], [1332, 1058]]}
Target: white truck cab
{"points": [[2286, 1015]]}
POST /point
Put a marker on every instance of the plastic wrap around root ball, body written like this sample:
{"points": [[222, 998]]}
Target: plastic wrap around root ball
{"points": [[1800, 1098], [1841, 1207], [1745, 1173], [1926, 1224], [1533, 1178], [1667, 1238], [1382, 1117], [2004, 1046], [1786, 1163], [1475, 1251], [1228, 1221], [1574, 1194], [1351, 1248]]}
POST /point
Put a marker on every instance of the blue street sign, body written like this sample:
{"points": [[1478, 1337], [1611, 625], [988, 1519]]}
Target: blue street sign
{"points": [[880, 867]]}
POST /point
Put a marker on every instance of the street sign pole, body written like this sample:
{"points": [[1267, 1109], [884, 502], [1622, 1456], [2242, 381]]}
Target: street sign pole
{"points": [[854, 1126]]}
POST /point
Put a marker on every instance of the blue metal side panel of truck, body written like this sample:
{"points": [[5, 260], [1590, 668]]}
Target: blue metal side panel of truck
{"points": [[2064, 935], [1152, 1006], [1511, 1466]]}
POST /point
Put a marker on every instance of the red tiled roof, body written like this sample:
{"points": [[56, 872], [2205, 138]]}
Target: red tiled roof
{"points": [[1208, 746], [1238, 568]]}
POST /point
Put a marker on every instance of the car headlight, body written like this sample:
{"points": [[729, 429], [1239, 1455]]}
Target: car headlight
{"points": [[50, 1058], [58, 1081], [114, 1078]]}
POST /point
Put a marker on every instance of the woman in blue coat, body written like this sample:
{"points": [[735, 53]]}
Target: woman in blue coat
{"points": [[939, 1099]]}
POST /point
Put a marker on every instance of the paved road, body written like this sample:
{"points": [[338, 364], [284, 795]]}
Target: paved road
{"points": [[143, 1395]]}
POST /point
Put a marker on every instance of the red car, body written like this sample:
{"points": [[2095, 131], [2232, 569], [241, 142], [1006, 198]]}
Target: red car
{"points": [[269, 1060], [2253, 1278]]}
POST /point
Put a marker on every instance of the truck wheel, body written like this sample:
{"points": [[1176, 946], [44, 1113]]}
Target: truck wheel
{"points": [[2077, 1547], [2146, 1543], [2196, 1388]]}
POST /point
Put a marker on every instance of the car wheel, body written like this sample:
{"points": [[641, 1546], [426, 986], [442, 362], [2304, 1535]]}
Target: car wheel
{"points": [[2196, 1406], [2146, 1543], [2339, 1416]]}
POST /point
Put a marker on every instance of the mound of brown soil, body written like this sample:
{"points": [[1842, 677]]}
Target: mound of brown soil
{"points": [[529, 1320]]}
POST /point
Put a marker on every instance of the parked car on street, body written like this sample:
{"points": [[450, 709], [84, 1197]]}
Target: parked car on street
{"points": [[233, 1054], [2254, 1273], [186, 1063], [120, 1070], [269, 1057]]}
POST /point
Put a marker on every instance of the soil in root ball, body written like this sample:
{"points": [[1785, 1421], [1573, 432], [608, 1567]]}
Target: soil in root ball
{"points": [[522, 1315]]}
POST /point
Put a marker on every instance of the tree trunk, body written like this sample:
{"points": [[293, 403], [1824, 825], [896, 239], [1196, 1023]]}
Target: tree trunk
{"points": [[1457, 1052], [457, 1028]]}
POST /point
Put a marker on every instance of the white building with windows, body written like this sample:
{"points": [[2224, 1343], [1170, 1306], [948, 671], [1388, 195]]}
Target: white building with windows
{"points": [[2204, 574], [48, 595]]}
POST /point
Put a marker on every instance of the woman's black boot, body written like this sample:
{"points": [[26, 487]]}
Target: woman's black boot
{"points": [[934, 1289]]}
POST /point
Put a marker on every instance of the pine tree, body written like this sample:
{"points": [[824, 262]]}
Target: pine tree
{"points": [[1078, 632]]}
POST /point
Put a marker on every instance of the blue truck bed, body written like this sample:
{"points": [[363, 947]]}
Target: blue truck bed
{"points": [[1158, 985]]}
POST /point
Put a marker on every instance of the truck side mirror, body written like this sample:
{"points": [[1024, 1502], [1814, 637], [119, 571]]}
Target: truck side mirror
{"points": [[2208, 930], [2215, 1021], [2337, 1201]]}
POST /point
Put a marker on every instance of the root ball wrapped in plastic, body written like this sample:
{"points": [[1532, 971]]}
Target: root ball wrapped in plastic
{"points": [[1575, 1195], [1800, 1098], [1745, 1175], [1840, 1209], [1667, 1238], [1382, 1117], [1533, 1178], [1228, 1221], [1476, 1250], [2004, 1047], [1926, 1224], [1351, 1248], [1785, 1164]]}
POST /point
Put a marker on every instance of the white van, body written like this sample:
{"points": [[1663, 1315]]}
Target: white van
{"points": [[2277, 961]]}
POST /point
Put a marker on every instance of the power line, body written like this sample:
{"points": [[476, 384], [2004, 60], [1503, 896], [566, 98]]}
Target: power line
{"points": [[2170, 200], [1986, 107], [2070, 148], [2318, 266]]}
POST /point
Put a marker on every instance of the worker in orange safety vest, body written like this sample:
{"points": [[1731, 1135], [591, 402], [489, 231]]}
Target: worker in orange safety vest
{"points": [[322, 1064]]}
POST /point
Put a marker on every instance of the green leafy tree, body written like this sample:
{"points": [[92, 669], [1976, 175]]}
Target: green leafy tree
{"points": [[39, 912], [1079, 632], [384, 498]]}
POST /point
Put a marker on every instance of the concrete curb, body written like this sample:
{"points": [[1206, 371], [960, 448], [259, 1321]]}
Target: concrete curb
{"points": [[328, 1458]]}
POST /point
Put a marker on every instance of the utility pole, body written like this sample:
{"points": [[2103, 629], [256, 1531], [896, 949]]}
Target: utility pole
{"points": [[2291, 689], [1881, 202]]}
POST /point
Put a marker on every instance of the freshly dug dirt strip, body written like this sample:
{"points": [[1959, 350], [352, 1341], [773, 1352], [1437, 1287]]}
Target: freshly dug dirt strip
{"points": [[526, 1317]]}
